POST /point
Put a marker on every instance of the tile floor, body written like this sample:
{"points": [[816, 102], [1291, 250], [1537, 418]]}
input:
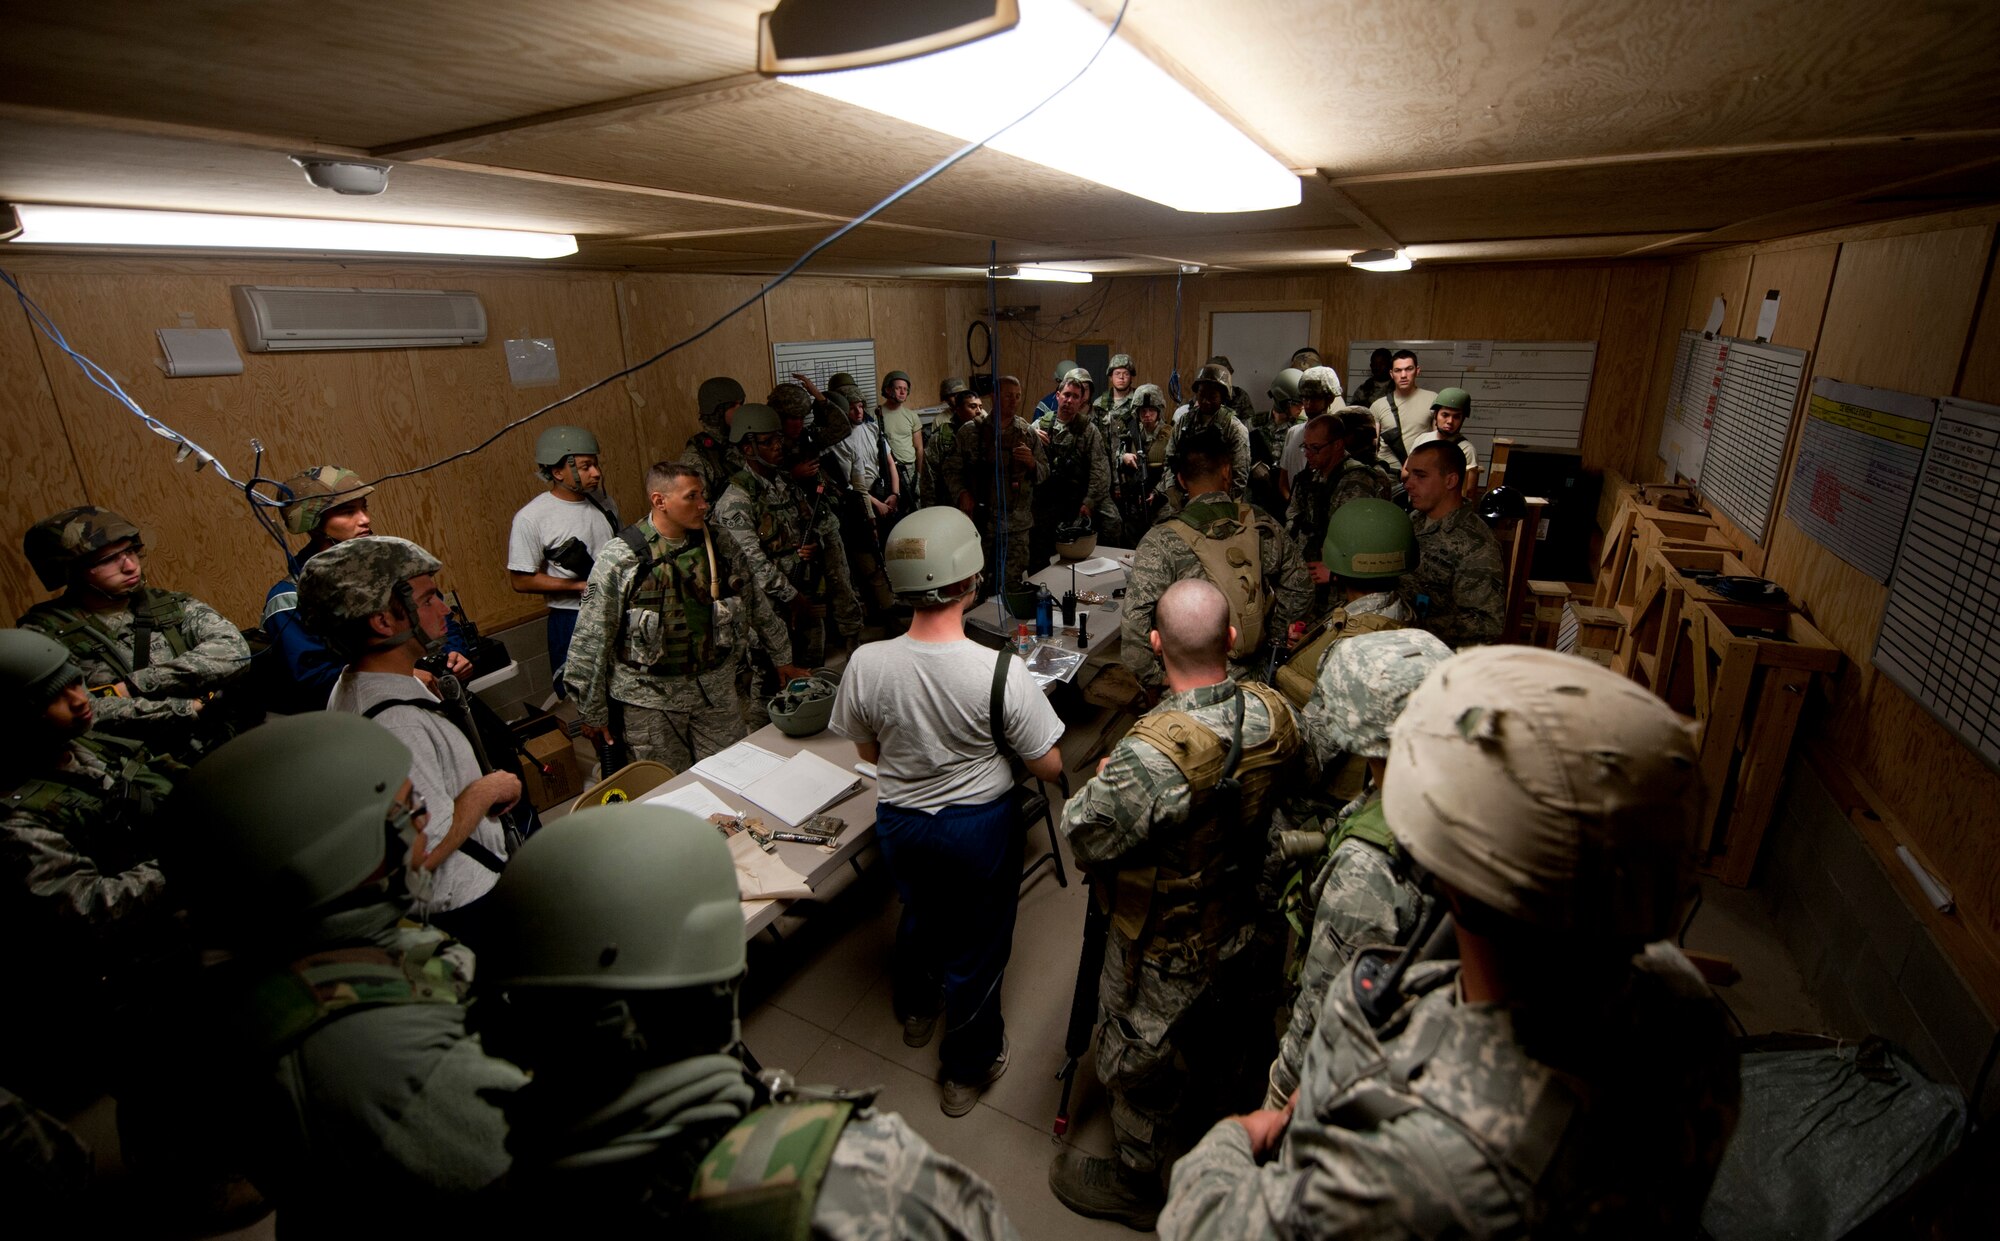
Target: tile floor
{"points": [[817, 1004]]}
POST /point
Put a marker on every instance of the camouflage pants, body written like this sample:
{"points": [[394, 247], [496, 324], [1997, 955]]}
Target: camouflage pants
{"points": [[680, 737], [1163, 1055], [1018, 567]]}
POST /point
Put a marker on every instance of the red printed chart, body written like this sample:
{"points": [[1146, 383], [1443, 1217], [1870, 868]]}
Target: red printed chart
{"points": [[1859, 454], [1938, 641]]}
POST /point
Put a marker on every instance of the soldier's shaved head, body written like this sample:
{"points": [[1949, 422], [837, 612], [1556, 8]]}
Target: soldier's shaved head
{"points": [[1192, 622]]}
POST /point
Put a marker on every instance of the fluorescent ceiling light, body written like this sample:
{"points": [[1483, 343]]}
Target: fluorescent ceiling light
{"points": [[115, 226], [1380, 260], [1035, 271], [1126, 124]]}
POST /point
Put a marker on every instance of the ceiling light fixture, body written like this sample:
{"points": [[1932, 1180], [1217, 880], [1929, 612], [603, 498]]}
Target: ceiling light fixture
{"points": [[116, 226], [1380, 260], [1172, 148], [1035, 271]]}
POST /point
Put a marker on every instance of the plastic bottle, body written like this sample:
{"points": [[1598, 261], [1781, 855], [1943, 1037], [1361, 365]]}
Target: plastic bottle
{"points": [[1045, 610], [1024, 639]]}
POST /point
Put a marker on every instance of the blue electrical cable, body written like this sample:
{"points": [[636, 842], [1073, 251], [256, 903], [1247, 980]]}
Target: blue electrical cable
{"points": [[999, 436]]}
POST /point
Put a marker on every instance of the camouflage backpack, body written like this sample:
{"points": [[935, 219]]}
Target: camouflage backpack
{"points": [[1234, 562], [1296, 678], [763, 1178]]}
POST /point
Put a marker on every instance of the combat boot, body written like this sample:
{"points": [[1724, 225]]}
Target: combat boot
{"points": [[1106, 1189]]}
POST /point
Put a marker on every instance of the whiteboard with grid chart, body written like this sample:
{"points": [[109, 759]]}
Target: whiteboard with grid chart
{"points": [[1754, 401]]}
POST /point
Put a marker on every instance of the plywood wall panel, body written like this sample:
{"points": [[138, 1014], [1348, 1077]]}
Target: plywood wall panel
{"points": [[1901, 309], [42, 476], [1803, 278], [1644, 450], [465, 395], [1628, 337], [1980, 379], [1364, 305], [912, 329], [816, 310], [1504, 303], [1725, 277], [658, 311]]}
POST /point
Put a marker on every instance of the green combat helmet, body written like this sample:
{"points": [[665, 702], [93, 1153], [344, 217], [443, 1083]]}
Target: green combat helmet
{"points": [[930, 553], [804, 706], [953, 388], [841, 379], [1078, 375], [1063, 368], [1369, 538], [34, 668], [1362, 685], [1454, 398], [789, 400], [892, 377], [1118, 360], [1553, 791], [308, 495], [716, 392], [753, 420], [295, 813], [1076, 539], [352, 581], [1285, 386], [558, 444], [1215, 373], [55, 545], [662, 913]]}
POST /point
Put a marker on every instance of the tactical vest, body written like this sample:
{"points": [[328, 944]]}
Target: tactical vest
{"points": [[763, 1178], [1199, 887], [1069, 465], [281, 1007], [73, 795], [153, 611], [1301, 671], [770, 533], [715, 455], [1234, 563], [680, 590]]}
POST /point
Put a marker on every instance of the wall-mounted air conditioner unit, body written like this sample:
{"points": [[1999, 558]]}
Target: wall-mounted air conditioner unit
{"points": [[280, 317]]}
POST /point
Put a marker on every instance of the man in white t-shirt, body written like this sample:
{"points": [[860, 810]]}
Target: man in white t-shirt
{"points": [[1405, 413], [1452, 408], [376, 601], [556, 535], [919, 708]]}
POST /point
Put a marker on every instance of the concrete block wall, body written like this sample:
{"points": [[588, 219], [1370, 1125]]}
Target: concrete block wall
{"points": [[1868, 962]]}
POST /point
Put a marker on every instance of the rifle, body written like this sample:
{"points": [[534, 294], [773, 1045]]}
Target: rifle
{"points": [[518, 821], [1083, 1000]]}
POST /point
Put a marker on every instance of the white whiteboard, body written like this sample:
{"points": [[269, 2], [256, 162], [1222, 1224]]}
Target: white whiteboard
{"points": [[1754, 403], [1534, 391], [1698, 362], [823, 359], [1938, 641]]}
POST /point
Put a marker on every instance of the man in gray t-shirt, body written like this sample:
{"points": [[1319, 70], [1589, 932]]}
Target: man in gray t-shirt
{"points": [[919, 707]]}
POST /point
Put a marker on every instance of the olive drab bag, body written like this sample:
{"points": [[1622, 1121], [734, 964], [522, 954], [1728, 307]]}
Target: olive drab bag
{"points": [[1301, 671], [1235, 564]]}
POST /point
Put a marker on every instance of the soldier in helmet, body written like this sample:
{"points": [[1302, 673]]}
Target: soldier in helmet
{"points": [[1304, 357], [1079, 478], [962, 405], [1045, 408], [1172, 829], [1240, 550], [1212, 387], [640, 1121], [709, 452], [1267, 442], [337, 1036], [377, 602], [328, 505], [920, 707], [1114, 404], [556, 535], [1336, 474], [969, 477], [1569, 1073], [1139, 443], [159, 663], [1368, 547], [1366, 892], [1458, 587], [1319, 390], [1448, 414], [667, 619], [84, 885], [904, 431]]}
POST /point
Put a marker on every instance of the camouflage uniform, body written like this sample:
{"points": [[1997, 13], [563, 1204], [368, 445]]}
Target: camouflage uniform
{"points": [[1239, 444], [1111, 409], [1372, 390], [1443, 1123], [1165, 1039], [1079, 474], [711, 455], [1137, 483], [1457, 589], [970, 469], [191, 653], [769, 519], [680, 713], [1315, 499], [1164, 558]]}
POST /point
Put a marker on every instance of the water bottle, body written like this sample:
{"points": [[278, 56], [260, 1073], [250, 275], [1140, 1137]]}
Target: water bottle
{"points": [[1045, 608]]}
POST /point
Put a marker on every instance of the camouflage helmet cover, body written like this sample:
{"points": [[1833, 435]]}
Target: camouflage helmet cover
{"points": [[754, 420], [953, 388], [1361, 687], [718, 391], [1319, 382], [1550, 789], [55, 545], [1149, 396], [789, 400], [1215, 373], [1118, 360], [309, 495], [558, 444], [1078, 375], [354, 580]]}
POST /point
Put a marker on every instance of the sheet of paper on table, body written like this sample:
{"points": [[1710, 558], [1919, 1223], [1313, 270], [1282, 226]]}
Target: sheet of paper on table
{"points": [[802, 786], [694, 797], [1095, 566], [739, 766]]}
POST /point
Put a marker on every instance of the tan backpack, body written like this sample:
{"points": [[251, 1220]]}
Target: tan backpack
{"points": [[1301, 671], [1236, 565]]}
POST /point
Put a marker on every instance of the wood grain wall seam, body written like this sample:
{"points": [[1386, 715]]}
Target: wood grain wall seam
{"points": [[1972, 337]]}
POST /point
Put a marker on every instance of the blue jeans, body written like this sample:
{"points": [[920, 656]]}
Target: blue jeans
{"points": [[562, 627], [959, 874]]}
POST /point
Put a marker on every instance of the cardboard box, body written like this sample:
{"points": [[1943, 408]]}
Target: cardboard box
{"points": [[553, 776]]}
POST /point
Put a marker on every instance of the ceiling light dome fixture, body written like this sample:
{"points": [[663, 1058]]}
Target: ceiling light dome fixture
{"points": [[1380, 260], [1164, 130]]}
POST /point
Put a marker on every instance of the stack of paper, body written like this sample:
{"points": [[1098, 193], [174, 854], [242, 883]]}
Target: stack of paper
{"points": [[801, 787], [739, 766]]}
